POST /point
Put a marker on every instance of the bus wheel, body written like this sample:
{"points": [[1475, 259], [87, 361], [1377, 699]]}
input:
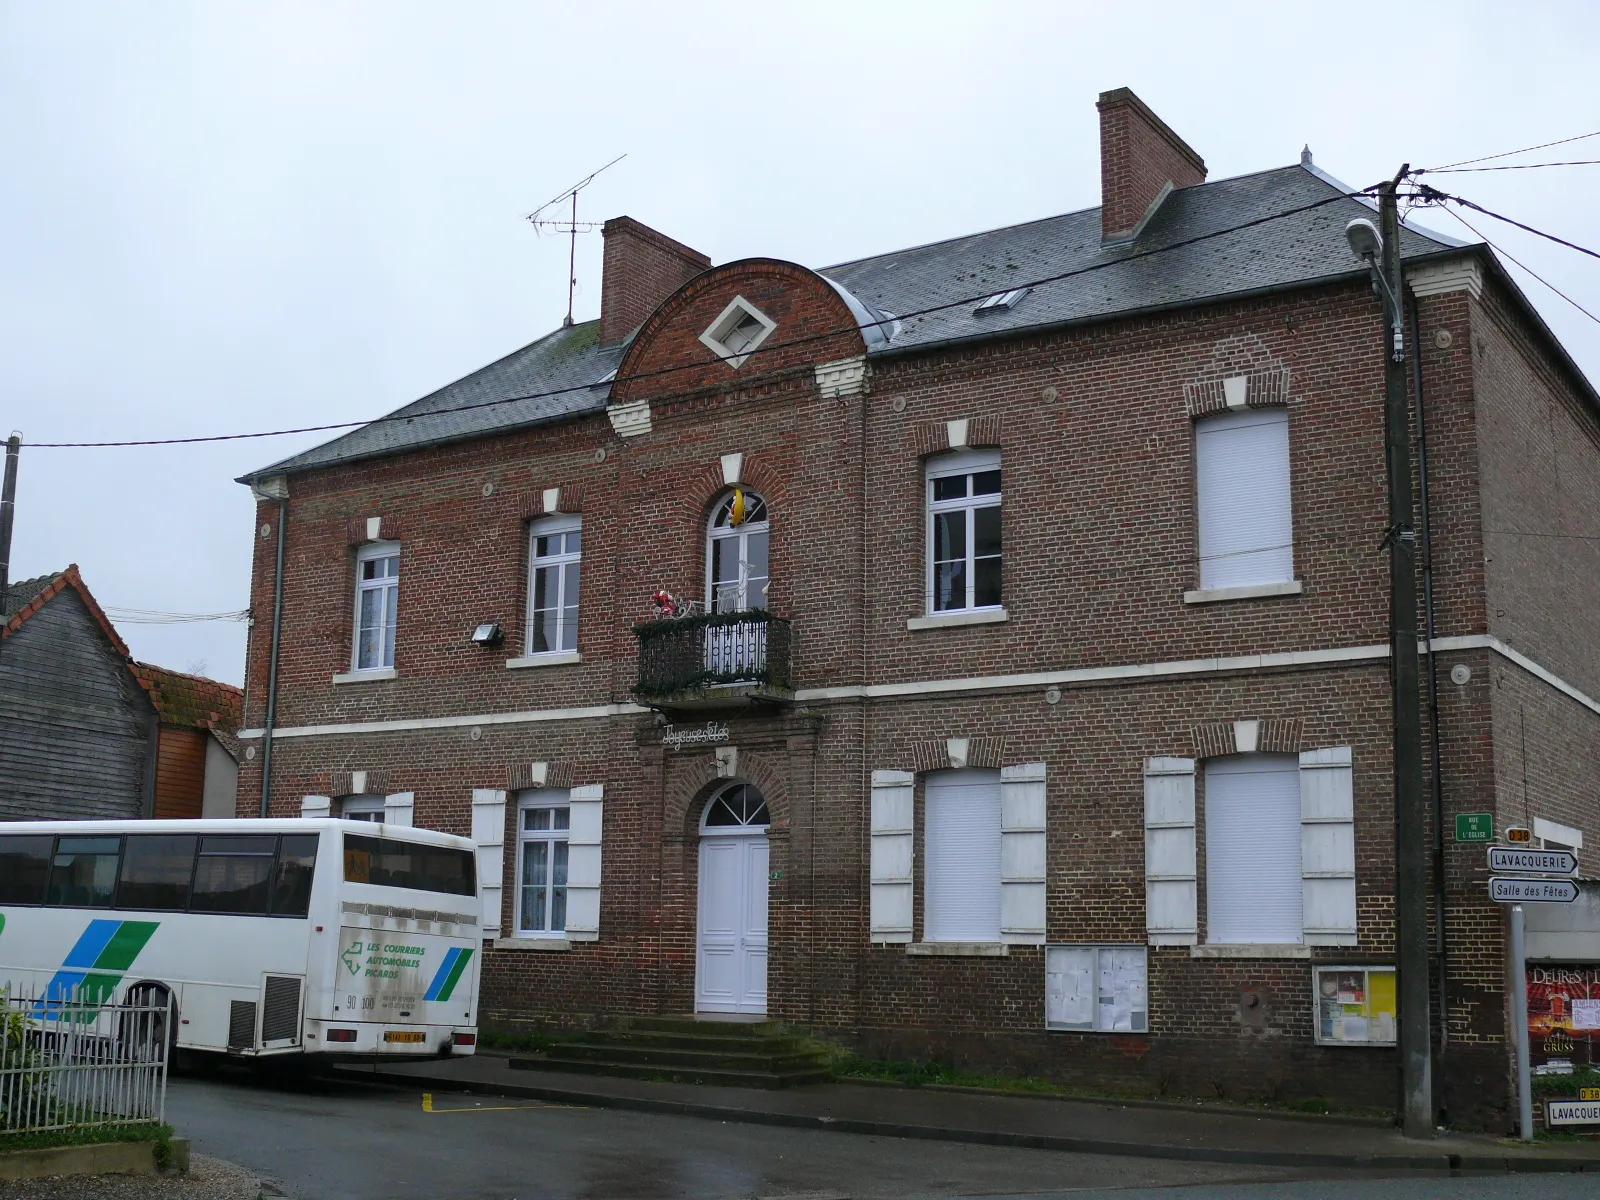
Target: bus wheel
{"points": [[145, 1034]]}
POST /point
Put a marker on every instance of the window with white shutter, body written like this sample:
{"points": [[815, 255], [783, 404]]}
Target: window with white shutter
{"points": [[398, 808], [1169, 852], [489, 834], [1253, 879], [1022, 854], [1242, 490], [892, 816], [316, 806], [962, 875], [583, 862], [1328, 847]]}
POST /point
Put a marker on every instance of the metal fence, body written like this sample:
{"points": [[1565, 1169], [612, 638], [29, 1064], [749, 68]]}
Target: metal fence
{"points": [[690, 654], [75, 1062]]}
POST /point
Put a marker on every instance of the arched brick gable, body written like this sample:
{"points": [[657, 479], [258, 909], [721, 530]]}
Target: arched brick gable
{"points": [[814, 325]]}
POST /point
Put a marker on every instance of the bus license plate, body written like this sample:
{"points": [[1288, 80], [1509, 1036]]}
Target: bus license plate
{"points": [[402, 1035]]}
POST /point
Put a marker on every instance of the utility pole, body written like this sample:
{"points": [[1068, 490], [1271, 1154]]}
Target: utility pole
{"points": [[1411, 818], [8, 509]]}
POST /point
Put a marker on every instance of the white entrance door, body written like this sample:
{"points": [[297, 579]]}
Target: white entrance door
{"points": [[731, 964]]}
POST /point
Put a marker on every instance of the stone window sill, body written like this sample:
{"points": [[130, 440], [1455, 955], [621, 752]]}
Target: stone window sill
{"points": [[969, 616], [959, 949], [1255, 591], [367, 676], [555, 658], [1247, 950], [532, 943]]}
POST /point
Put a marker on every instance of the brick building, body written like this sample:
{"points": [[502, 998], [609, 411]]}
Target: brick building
{"points": [[1086, 776]]}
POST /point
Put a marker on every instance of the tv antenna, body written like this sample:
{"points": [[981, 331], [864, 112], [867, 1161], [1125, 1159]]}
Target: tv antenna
{"points": [[570, 226]]}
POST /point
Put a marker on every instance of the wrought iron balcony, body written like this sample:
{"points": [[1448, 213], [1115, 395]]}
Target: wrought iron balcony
{"points": [[714, 660]]}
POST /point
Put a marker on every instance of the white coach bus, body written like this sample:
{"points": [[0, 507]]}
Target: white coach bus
{"points": [[270, 937]]}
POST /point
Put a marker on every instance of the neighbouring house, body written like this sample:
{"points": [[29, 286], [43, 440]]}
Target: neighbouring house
{"points": [[978, 650], [88, 733]]}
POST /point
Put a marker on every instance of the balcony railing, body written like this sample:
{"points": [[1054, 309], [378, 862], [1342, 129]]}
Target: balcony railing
{"points": [[714, 656]]}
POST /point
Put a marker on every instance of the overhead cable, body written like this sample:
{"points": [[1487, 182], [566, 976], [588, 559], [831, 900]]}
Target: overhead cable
{"points": [[1508, 153], [765, 348]]}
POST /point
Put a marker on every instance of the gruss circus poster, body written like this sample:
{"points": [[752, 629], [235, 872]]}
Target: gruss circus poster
{"points": [[1563, 1016]]}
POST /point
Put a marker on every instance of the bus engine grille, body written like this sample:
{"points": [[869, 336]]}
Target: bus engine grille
{"points": [[242, 1025], [280, 1017]]}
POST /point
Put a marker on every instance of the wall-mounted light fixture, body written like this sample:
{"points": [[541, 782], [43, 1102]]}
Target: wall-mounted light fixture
{"points": [[487, 634]]}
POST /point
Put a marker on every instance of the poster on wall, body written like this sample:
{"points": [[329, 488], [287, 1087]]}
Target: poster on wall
{"points": [[1563, 1017]]}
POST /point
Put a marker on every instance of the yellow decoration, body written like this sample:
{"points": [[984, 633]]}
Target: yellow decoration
{"points": [[736, 512]]}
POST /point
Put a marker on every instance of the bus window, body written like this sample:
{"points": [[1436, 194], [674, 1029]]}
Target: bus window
{"points": [[84, 872], [24, 869], [291, 886], [234, 874], [155, 871], [393, 863]]}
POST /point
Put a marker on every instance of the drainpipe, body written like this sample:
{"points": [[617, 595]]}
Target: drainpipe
{"points": [[1440, 948], [273, 489]]}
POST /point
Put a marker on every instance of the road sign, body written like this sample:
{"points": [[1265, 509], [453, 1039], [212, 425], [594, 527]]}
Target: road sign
{"points": [[1540, 862], [1572, 1112], [1508, 889], [1519, 835], [1474, 827]]}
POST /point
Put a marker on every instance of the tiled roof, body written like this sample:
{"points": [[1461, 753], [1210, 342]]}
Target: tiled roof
{"points": [[1295, 250], [22, 591], [191, 700], [24, 606]]}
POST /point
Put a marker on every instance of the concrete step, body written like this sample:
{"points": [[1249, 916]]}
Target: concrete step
{"points": [[775, 1043], [703, 1027], [760, 1059], [727, 1078]]}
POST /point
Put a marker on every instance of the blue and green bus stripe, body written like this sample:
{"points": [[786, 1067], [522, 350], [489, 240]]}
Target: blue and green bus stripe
{"points": [[449, 974], [97, 961]]}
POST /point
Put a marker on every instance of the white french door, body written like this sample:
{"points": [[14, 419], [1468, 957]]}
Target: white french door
{"points": [[731, 963]]}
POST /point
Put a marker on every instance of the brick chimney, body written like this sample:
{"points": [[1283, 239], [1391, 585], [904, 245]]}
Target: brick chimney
{"points": [[642, 268], [1140, 160]]}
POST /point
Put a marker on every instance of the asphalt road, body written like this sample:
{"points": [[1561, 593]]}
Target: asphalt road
{"points": [[337, 1140]]}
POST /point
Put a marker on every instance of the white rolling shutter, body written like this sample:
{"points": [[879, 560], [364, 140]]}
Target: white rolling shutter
{"points": [[1169, 853], [1242, 478], [397, 809], [890, 879], [583, 862], [961, 880], [1328, 847], [1022, 854], [1253, 849], [489, 834], [316, 806]]}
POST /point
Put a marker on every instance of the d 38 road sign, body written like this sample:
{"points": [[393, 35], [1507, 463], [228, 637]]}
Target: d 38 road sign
{"points": [[1540, 862], [1510, 890]]}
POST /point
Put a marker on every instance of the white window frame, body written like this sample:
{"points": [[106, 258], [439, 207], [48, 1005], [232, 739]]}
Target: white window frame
{"points": [[542, 798], [1213, 874], [546, 527], [364, 806], [946, 466], [741, 534], [935, 888], [1213, 562], [390, 587], [729, 319]]}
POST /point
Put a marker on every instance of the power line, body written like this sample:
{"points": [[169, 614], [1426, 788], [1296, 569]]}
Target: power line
{"points": [[151, 616], [1499, 250], [764, 348], [1586, 162], [1575, 537], [1433, 194], [1508, 153]]}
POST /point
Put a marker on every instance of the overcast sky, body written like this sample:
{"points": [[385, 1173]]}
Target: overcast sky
{"points": [[219, 218]]}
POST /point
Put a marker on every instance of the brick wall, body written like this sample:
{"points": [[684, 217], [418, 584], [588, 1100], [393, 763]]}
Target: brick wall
{"points": [[1094, 428], [1139, 156]]}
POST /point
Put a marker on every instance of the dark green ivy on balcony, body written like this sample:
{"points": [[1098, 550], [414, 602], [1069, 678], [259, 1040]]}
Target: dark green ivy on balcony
{"points": [[714, 660]]}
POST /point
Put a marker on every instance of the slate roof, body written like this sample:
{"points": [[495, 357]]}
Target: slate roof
{"points": [[22, 591], [1296, 250]]}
